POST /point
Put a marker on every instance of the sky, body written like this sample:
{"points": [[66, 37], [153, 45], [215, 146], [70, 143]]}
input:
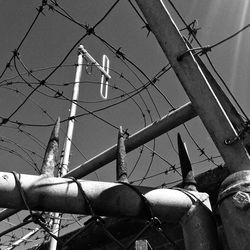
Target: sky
{"points": [[51, 38]]}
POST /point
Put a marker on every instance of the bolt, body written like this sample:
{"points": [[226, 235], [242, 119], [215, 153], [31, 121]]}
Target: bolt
{"points": [[5, 177], [241, 200]]}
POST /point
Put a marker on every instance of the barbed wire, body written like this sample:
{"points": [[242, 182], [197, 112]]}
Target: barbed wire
{"points": [[209, 48], [146, 106]]}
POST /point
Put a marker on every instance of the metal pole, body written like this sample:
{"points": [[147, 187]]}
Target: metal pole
{"points": [[67, 146], [234, 209], [5, 213], [106, 198], [166, 123], [195, 84], [24, 238], [84, 52], [115, 200], [70, 129]]}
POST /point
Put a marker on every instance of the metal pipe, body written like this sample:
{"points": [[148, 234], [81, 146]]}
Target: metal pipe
{"points": [[68, 141], [70, 129], [24, 238], [5, 213], [166, 123], [234, 208], [109, 199]]}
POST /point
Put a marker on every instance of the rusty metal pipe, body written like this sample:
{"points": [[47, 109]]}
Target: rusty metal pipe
{"points": [[109, 199]]}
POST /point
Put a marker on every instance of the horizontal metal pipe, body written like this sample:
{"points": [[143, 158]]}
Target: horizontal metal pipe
{"points": [[109, 199], [165, 124]]}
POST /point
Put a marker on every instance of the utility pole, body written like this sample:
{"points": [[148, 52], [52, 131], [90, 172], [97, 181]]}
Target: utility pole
{"points": [[63, 168], [82, 52]]}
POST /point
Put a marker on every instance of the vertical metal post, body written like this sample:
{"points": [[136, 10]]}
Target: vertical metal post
{"points": [[71, 122], [24, 238], [198, 225], [67, 146]]}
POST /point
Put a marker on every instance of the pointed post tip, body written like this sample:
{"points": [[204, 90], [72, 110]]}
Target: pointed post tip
{"points": [[120, 133], [50, 157], [186, 167], [56, 129]]}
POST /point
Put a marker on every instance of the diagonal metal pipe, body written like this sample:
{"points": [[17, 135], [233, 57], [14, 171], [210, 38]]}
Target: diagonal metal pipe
{"points": [[165, 124]]}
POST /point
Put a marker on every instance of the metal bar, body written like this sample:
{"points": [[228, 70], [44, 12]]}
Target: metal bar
{"points": [[95, 63], [67, 146], [70, 129], [5, 213], [166, 123], [15, 227], [195, 84], [109, 199], [24, 238]]}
